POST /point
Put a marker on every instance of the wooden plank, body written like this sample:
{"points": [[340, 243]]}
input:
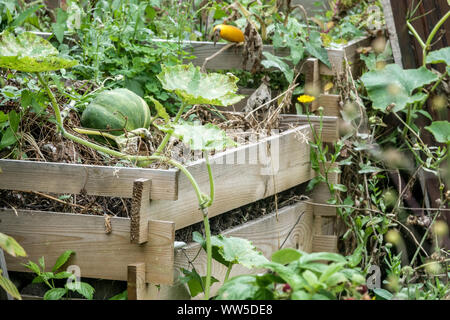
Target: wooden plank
{"points": [[140, 211], [99, 255], [330, 131], [330, 104], [242, 175], [266, 233], [312, 81], [136, 286], [75, 178], [324, 243]]}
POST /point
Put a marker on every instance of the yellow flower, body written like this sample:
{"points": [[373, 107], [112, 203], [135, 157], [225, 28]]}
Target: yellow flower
{"points": [[306, 99]]}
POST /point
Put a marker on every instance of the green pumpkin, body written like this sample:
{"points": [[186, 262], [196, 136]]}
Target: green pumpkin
{"points": [[116, 109]]}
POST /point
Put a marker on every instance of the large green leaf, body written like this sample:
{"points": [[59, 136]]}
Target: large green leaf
{"points": [[238, 250], [272, 61], [30, 53], [440, 131], [439, 56], [196, 87], [11, 246], [395, 85], [202, 137]]}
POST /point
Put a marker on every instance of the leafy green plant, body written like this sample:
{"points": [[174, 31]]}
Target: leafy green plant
{"points": [[297, 275], [49, 277]]}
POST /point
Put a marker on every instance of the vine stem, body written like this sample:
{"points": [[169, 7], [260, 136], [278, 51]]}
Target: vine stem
{"points": [[227, 275], [208, 253], [432, 35], [52, 100]]}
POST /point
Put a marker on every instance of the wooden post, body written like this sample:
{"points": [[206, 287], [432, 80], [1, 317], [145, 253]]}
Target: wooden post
{"points": [[312, 81], [140, 211], [136, 286]]}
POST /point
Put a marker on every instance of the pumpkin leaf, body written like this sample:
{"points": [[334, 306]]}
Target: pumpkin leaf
{"points": [[30, 53], [239, 251], [195, 87], [439, 56], [440, 131], [395, 85], [201, 137]]}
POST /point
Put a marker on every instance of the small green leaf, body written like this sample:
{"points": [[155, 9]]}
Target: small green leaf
{"points": [[356, 257], [244, 287], [83, 288], [317, 256], [42, 263], [311, 279], [11, 246], [60, 25], [195, 87], [62, 259], [383, 294], [330, 270], [9, 287], [300, 295], [285, 256], [195, 283], [33, 267], [30, 53], [440, 131], [63, 275], [55, 294], [160, 109], [120, 296]]}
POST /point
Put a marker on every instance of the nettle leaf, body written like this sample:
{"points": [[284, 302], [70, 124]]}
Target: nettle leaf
{"points": [[30, 53], [440, 131], [196, 87], [83, 288], [10, 245], [62, 259], [55, 294], [439, 56], [202, 137], [238, 250], [395, 85]]}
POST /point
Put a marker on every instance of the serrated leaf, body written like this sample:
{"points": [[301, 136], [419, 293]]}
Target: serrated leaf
{"points": [[238, 250], [30, 53], [11, 246], [63, 275], [160, 109], [285, 256], [439, 56], [202, 137], [62, 259], [83, 288], [55, 294], [440, 131], [195, 87], [33, 267], [395, 85], [9, 287]]}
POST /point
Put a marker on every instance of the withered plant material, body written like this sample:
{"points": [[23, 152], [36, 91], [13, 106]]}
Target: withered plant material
{"points": [[261, 96], [253, 48]]}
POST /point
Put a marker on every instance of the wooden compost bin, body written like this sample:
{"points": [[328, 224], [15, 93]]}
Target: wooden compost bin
{"points": [[140, 249]]}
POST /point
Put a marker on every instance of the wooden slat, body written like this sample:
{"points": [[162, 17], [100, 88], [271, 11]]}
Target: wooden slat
{"points": [[330, 104], [136, 286], [329, 124], [312, 81], [266, 233], [99, 255], [324, 243], [140, 211], [74, 179], [241, 177]]}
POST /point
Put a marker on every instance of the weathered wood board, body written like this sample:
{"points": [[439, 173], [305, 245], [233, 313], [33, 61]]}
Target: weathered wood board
{"points": [[242, 175], [98, 254], [70, 178]]}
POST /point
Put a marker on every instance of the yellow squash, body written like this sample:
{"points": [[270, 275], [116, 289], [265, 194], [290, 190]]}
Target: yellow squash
{"points": [[229, 33]]}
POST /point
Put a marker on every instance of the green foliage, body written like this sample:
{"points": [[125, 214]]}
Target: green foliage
{"points": [[440, 131], [10, 246], [195, 87], [72, 283], [297, 276], [395, 85], [30, 53]]}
